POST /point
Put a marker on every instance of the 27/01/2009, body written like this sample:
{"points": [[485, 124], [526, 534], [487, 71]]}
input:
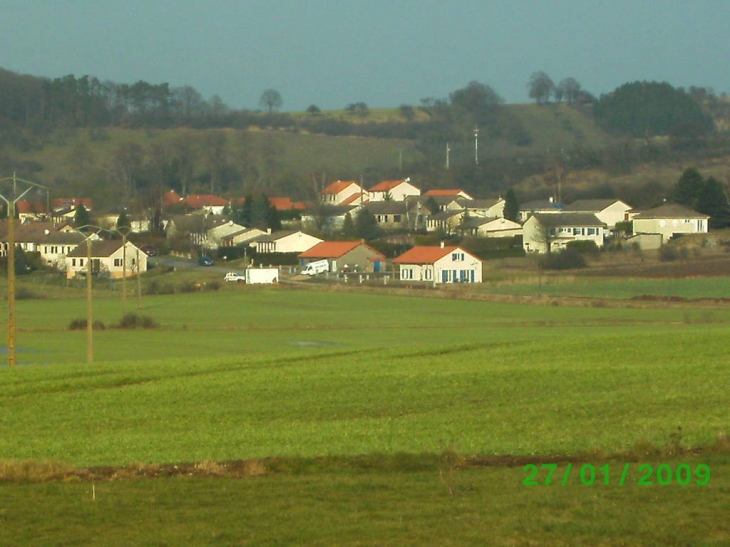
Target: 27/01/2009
{"points": [[588, 474]]}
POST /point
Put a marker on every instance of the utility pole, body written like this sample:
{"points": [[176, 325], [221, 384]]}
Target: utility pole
{"points": [[476, 145], [11, 257], [448, 152]]}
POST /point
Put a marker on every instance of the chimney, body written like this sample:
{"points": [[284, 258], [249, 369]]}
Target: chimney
{"points": [[551, 199], [268, 230], [442, 244]]}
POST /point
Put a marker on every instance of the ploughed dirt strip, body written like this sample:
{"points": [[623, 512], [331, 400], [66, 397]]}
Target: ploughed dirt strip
{"points": [[43, 472]]}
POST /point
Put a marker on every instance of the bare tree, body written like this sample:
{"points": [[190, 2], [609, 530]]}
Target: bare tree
{"points": [[568, 89]]}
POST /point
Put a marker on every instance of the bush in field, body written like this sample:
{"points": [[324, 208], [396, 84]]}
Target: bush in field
{"points": [[567, 259], [80, 324], [585, 247], [134, 321], [159, 287]]}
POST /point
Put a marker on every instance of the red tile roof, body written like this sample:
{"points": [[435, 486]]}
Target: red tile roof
{"points": [[386, 185], [171, 198], [30, 207], [355, 198], [424, 255], [445, 192], [285, 204], [198, 201], [337, 187], [334, 249]]}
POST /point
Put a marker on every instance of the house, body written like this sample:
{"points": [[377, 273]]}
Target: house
{"points": [[483, 208], [284, 241], [286, 204], [544, 206], [546, 232], [194, 226], [349, 256], [448, 192], [393, 190], [30, 211], [216, 234], [206, 202], [445, 221], [52, 241], [340, 191], [443, 264], [392, 215], [328, 217], [242, 237], [112, 257], [59, 204], [609, 211], [670, 220], [490, 227]]}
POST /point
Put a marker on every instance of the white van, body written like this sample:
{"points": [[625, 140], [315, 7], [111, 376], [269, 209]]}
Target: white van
{"points": [[316, 267]]}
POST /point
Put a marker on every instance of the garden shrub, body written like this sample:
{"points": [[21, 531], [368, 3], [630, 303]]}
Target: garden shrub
{"points": [[567, 259]]}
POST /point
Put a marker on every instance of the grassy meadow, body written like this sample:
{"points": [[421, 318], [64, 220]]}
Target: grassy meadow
{"points": [[313, 382]]}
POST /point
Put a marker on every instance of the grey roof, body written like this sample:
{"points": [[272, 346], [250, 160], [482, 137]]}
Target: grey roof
{"points": [[591, 205], [445, 215], [568, 219], [671, 210], [475, 222], [99, 248], [274, 236], [330, 210], [197, 222], [477, 203], [541, 205]]}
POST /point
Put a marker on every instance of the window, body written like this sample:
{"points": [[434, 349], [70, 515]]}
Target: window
{"points": [[73, 262], [117, 262], [396, 218], [457, 257]]}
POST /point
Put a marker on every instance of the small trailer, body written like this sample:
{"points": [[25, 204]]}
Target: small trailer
{"points": [[262, 275]]}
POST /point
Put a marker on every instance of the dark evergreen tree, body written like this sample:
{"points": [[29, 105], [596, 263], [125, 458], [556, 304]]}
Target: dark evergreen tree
{"points": [[713, 201], [348, 227], [123, 223], [260, 212], [366, 225], [81, 217], [689, 187], [273, 220], [511, 206]]}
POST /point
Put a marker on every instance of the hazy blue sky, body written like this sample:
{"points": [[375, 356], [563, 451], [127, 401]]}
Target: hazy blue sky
{"points": [[381, 52]]}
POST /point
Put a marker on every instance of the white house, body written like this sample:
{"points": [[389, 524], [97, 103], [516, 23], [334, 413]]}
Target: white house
{"points": [[448, 192], [109, 257], [342, 192], [483, 208], [609, 211], [544, 206], [444, 264], [394, 190], [284, 241], [544, 232], [491, 227], [670, 220]]}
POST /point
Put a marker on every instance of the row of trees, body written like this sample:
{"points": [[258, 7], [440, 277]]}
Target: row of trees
{"points": [[541, 88], [706, 195]]}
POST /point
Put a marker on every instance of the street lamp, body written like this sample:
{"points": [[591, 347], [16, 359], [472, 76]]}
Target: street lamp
{"points": [[11, 257]]}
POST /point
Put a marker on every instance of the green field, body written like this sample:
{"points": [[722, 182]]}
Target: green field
{"points": [[401, 396]]}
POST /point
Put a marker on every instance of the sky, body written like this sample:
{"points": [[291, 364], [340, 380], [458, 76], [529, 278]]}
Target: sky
{"points": [[384, 53]]}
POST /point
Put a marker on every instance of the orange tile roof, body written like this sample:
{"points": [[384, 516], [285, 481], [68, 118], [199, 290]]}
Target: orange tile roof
{"points": [[386, 185], [29, 207], [197, 201], [286, 204], [444, 192], [355, 197], [334, 249], [337, 187], [171, 198], [424, 254]]}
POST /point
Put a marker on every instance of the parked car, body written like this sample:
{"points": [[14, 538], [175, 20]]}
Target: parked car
{"points": [[233, 277], [205, 261], [149, 250]]}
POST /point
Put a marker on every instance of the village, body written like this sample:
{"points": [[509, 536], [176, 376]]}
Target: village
{"points": [[202, 226]]}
